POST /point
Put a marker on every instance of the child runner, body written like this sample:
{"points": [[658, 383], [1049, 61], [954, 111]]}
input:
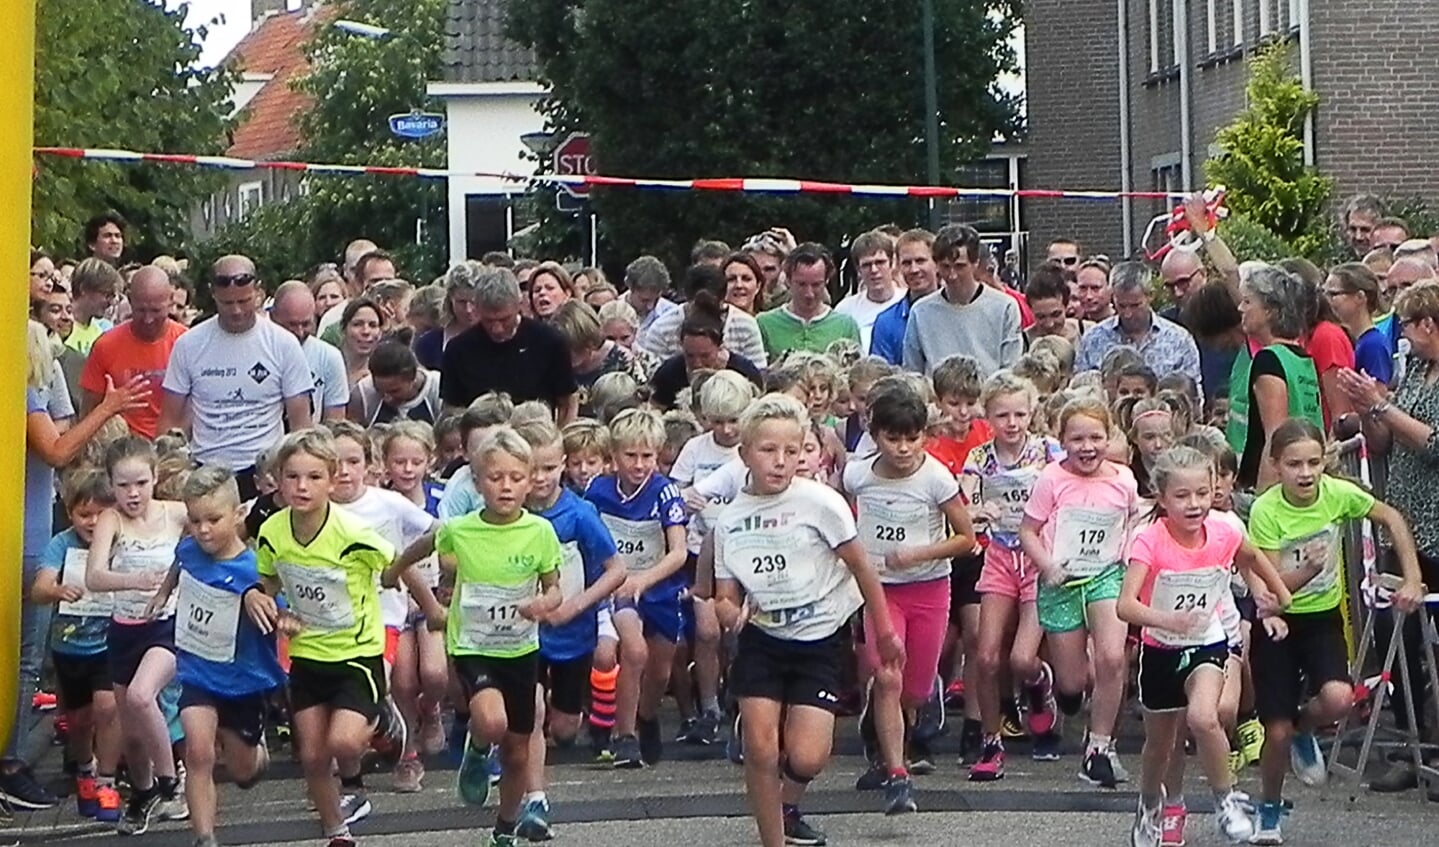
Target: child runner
{"points": [[722, 398], [133, 550], [911, 521], [1002, 473], [499, 557], [1074, 529], [1175, 588], [77, 646], [590, 571], [1297, 524], [646, 516], [1151, 431], [225, 633], [789, 546], [327, 562], [587, 452]]}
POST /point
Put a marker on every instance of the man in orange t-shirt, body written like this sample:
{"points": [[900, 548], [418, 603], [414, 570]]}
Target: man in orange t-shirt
{"points": [[139, 346]]}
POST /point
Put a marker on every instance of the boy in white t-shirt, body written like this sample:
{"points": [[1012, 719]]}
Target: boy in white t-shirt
{"points": [[789, 547]]}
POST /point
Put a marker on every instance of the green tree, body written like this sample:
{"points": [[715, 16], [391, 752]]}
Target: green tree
{"points": [[832, 91], [1261, 158], [356, 83], [122, 73]]}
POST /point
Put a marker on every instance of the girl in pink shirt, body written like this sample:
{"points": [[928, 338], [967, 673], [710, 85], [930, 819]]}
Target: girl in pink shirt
{"points": [[1074, 530], [1178, 580]]}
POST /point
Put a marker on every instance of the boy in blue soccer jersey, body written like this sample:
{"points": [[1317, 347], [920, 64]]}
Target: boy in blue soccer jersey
{"points": [[226, 658], [646, 516]]}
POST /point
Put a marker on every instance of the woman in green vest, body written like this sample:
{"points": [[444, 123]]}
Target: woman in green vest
{"points": [[1273, 378]]}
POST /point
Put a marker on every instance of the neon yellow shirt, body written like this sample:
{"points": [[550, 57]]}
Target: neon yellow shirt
{"points": [[1310, 535], [498, 568]]}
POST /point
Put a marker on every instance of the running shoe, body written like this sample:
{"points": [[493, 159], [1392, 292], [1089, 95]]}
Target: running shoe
{"points": [[107, 804], [1307, 760], [341, 841], [799, 833], [1171, 826], [173, 806], [44, 701], [954, 695], [688, 728], [498, 840], [205, 841], [496, 768], [1010, 730], [921, 758], [20, 790], [990, 766], [929, 720], [627, 753], [708, 730], [1266, 831], [407, 776], [971, 743], [136, 819], [1097, 770], [355, 808], [899, 795], [534, 822], [651, 743], [874, 778], [1043, 712], [1047, 747], [1231, 818], [472, 781], [432, 733], [87, 804], [1120, 774], [1145, 832], [1251, 739]]}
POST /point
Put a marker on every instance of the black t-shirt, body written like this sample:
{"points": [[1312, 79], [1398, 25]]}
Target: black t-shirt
{"points": [[533, 365], [671, 377], [1265, 363]]}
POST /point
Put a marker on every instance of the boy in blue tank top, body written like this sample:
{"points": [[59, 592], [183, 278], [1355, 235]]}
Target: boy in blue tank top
{"points": [[646, 515], [226, 660]]}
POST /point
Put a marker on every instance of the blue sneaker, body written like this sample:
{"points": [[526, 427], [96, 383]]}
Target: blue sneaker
{"points": [[472, 782], [534, 823], [1307, 760], [929, 722], [494, 764], [1266, 831]]}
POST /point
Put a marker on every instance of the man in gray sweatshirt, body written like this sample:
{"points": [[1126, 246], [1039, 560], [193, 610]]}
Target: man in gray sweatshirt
{"points": [[964, 316]]}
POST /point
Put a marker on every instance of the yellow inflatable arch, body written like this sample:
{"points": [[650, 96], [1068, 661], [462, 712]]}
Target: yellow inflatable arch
{"points": [[17, 87]]}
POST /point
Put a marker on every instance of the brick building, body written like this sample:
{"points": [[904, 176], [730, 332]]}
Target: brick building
{"points": [[1181, 71]]}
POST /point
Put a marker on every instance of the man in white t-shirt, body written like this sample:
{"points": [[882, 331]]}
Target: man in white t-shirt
{"points": [[233, 380], [873, 254], [294, 310]]}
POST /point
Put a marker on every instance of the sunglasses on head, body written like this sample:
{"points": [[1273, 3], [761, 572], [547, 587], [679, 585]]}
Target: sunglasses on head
{"points": [[228, 280]]}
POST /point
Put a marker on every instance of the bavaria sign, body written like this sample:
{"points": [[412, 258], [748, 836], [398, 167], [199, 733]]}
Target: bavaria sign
{"points": [[572, 158], [416, 124]]}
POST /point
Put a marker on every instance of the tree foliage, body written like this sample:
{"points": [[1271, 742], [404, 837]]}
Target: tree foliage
{"points": [[356, 83], [831, 91], [122, 73], [1261, 158]]}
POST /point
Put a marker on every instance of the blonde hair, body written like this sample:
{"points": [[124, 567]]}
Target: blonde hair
{"points": [[578, 324], [41, 350], [1116, 360], [172, 474], [504, 439], [1041, 368], [1417, 302], [315, 442], [1176, 460], [613, 393], [772, 407], [1060, 347], [844, 352], [1130, 410], [209, 481], [638, 427], [538, 433], [585, 435], [618, 310], [1004, 383], [530, 411], [417, 431], [725, 394], [680, 427], [870, 369], [356, 433], [491, 408], [807, 368]]}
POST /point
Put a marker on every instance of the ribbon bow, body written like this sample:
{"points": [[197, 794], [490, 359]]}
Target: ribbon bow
{"points": [[1176, 225]]}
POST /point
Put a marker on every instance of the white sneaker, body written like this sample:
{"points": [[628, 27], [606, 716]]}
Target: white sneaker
{"points": [[1232, 820], [1307, 760], [1145, 832], [354, 808], [1120, 774]]}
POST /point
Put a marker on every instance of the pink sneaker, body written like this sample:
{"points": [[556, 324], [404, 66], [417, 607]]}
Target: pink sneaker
{"points": [[1043, 713], [990, 766], [1171, 826]]}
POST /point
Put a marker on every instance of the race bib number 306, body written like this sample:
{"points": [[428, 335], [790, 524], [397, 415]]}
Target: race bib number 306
{"points": [[318, 595]]}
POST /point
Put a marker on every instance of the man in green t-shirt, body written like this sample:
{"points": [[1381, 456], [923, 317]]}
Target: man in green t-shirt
{"points": [[806, 322]]}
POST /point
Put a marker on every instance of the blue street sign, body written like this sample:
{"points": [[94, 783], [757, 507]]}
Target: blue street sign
{"points": [[416, 124]]}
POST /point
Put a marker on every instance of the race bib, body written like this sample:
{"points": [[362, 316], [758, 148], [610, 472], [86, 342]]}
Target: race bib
{"points": [[1009, 491], [642, 543], [887, 525], [318, 595], [97, 605], [1184, 591], [131, 604], [1088, 540], [1320, 549], [207, 620], [572, 571], [490, 617], [774, 570]]}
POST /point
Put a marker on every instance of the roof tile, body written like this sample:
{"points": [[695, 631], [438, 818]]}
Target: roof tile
{"points": [[476, 49]]}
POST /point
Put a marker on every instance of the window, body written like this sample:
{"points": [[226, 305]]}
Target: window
{"points": [[1237, 10], [1154, 36], [987, 214], [1266, 15], [251, 194], [1211, 28], [1293, 14], [1167, 175]]}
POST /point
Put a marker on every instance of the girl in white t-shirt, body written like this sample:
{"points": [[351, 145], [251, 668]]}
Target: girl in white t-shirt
{"points": [[790, 547]]}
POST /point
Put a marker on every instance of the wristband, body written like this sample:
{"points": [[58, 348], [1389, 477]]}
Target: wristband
{"points": [[1378, 409]]}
